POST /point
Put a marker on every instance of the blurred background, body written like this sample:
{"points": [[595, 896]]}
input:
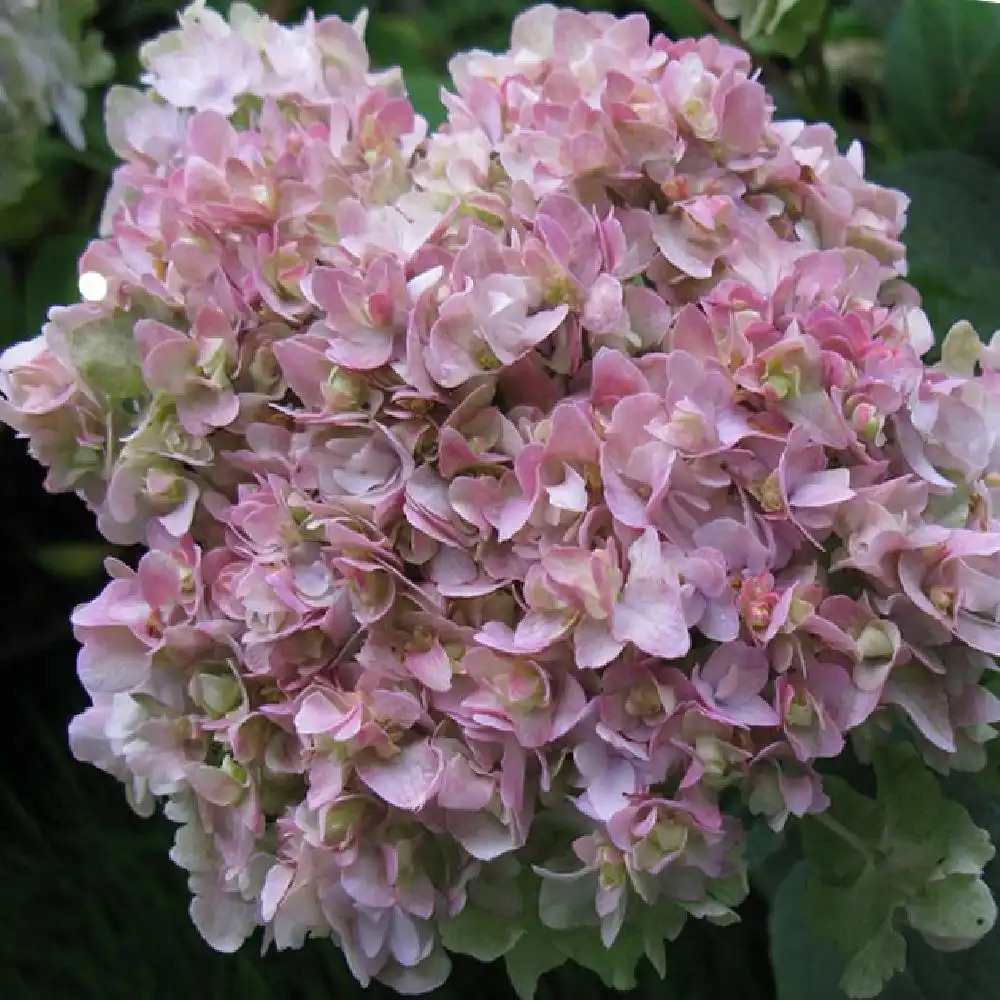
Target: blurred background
{"points": [[90, 905]]}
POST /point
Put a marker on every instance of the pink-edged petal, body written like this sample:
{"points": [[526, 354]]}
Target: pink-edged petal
{"points": [[594, 645], [407, 779], [276, 885], [121, 664], [649, 613], [482, 834], [923, 699], [978, 633], [159, 580], [463, 789], [214, 785], [317, 714], [822, 489], [431, 667], [223, 919], [569, 708]]}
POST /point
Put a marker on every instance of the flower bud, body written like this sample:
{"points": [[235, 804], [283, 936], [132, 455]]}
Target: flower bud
{"points": [[876, 641], [217, 694]]}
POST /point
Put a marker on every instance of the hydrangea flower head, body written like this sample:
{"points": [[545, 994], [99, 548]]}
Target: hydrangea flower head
{"points": [[527, 505]]}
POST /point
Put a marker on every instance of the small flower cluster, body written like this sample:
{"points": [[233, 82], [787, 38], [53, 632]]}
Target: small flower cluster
{"points": [[526, 504], [48, 57]]}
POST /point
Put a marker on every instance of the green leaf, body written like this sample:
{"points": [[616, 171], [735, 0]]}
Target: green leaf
{"points": [[615, 965], [791, 24], [539, 949], [924, 831], [534, 953], [943, 75], [953, 910], [951, 234], [858, 918], [881, 957], [908, 837], [806, 966], [770, 857], [776, 27], [920, 861], [424, 88], [849, 810], [530, 958], [480, 934]]}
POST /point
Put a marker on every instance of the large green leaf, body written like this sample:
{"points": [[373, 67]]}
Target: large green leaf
{"points": [[808, 967], [480, 934], [943, 76], [951, 235]]}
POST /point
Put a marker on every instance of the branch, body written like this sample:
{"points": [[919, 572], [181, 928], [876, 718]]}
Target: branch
{"points": [[717, 22], [848, 836]]}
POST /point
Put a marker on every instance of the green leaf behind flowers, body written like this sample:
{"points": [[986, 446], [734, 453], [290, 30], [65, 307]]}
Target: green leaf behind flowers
{"points": [[943, 74], [885, 879], [951, 235]]}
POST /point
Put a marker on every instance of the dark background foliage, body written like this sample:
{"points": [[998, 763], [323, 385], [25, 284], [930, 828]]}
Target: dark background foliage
{"points": [[90, 905]]}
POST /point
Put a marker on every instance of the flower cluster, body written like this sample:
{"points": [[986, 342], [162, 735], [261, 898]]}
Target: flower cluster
{"points": [[526, 504], [49, 57]]}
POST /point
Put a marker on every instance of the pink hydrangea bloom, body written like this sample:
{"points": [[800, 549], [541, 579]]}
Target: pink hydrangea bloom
{"points": [[563, 473]]}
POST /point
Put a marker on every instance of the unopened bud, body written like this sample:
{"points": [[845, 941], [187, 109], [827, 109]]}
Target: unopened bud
{"points": [[643, 700], [799, 713], [669, 836], [875, 642], [218, 694]]}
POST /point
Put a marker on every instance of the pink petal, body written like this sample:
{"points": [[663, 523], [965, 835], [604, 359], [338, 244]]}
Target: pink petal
{"points": [[978, 633], [924, 702], [407, 779], [214, 785], [276, 886], [159, 580], [594, 645], [317, 714], [463, 789], [113, 663], [431, 667], [821, 489], [650, 613], [482, 834], [223, 919]]}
